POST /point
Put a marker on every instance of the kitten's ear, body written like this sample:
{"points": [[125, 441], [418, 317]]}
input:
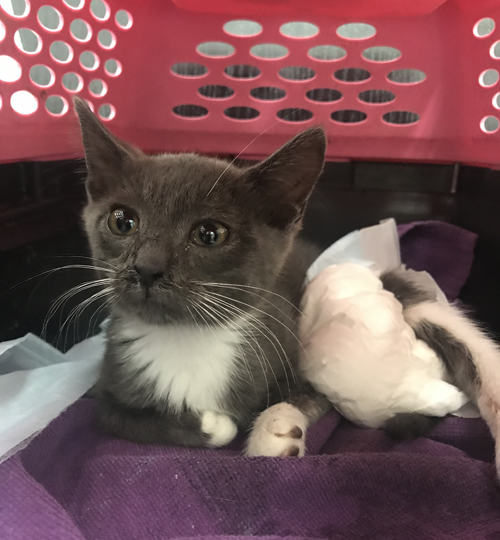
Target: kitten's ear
{"points": [[106, 156], [285, 180]]}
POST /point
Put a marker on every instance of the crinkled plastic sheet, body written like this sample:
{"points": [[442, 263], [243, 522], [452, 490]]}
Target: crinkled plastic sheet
{"points": [[38, 382]]}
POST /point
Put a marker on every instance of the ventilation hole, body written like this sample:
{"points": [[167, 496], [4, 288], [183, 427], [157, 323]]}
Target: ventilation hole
{"points": [[348, 116], [10, 69], [495, 50], [106, 39], [267, 93], [496, 101], [381, 54], [189, 69], [112, 67], [489, 124], [107, 112], [98, 88], [297, 73], [243, 28], [190, 111], [377, 96], [356, 31], [18, 8], [0, 102], [324, 95], [72, 82], [242, 71], [216, 91], [91, 105], [100, 10], [61, 52], [2, 31], [327, 52], [27, 41], [56, 105], [352, 74], [42, 76], [242, 113], [74, 4], [299, 29], [23, 102], [484, 28], [488, 78], [89, 60], [50, 19], [294, 115], [401, 117], [123, 19], [269, 50], [80, 30], [406, 76], [215, 49]]}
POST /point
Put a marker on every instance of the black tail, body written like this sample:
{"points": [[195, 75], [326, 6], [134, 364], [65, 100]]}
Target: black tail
{"points": [[407, 426]]}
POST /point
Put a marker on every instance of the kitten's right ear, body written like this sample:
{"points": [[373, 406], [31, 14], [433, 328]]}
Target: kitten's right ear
{"points": [[106, 156]]}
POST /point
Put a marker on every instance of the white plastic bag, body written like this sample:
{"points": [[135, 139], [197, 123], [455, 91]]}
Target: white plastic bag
{"points": [[38, 382]]}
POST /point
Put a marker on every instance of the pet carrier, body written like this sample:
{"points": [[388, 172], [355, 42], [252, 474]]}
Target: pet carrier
{"points": [[408, 92], [388, 80]]}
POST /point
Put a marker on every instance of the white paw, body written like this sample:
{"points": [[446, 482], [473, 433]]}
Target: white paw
{"points": [[278, 431], [219, 427]]}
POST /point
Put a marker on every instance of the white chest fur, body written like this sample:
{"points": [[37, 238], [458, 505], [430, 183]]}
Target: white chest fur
{"points": [[188, 366]]}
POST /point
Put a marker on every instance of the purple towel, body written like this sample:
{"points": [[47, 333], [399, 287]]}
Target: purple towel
{"points": [[73, 482], [443, 250]]}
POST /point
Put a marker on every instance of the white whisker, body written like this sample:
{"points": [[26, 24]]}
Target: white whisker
{"points": [[249, 144], [243, 287], [262, 359], [61, 301], [217, 295], [78, 310], [234, 310]]}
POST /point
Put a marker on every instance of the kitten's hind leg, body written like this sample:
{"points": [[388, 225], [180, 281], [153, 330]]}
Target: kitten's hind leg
{"points": [[281, 429]]}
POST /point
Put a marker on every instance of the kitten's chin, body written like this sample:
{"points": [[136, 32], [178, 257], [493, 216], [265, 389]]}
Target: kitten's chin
{"points": [[150, 310]]}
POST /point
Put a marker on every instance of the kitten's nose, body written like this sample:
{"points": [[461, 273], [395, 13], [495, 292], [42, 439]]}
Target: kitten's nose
{"points": [[148, 275]]}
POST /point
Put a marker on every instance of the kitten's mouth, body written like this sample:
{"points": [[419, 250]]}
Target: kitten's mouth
{"points": [[146, 294], [138, 294], [154, 305]]}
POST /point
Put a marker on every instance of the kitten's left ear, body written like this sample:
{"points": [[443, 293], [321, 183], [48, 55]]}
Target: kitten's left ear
{"points": [[106, 156], [284, 181]]}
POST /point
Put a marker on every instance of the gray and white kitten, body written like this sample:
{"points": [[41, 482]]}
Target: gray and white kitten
{"points": [[205, 274]]}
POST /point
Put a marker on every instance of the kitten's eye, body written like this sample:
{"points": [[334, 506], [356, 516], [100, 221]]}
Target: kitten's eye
{"points": [[123, 221], [210, 234]]}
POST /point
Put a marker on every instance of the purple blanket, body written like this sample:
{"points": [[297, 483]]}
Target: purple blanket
{"points": [[73, 482]]}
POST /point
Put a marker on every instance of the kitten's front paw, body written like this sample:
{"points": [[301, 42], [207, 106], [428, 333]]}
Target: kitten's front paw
{"points": [[278, 431], [220, 429]]}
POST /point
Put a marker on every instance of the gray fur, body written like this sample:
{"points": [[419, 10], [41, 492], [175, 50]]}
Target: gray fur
{"points": [[262, 207], [406, 292], [454, 353]]}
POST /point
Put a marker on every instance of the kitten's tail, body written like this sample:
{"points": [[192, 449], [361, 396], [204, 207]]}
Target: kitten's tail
{"points": [[406, 426], [471, 358]]}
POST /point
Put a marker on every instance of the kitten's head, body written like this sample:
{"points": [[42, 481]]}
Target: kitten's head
{"points": [[169, 225]]}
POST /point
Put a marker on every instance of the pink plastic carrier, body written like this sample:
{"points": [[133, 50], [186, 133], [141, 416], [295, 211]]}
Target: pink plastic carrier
{"points": [[413, 80]]}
